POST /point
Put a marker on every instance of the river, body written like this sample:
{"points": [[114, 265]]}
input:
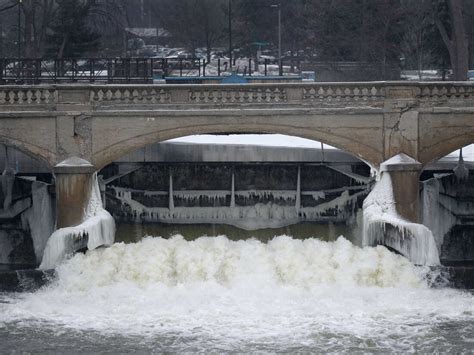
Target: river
{"points": [[219, 294]]}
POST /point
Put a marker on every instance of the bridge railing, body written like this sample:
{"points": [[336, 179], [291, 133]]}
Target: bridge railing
{"points": [[84, 70], [135, 70], [373, 94]]}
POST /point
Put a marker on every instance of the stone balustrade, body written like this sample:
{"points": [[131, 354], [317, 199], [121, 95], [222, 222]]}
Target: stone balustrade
{"points": [[309, 94]]}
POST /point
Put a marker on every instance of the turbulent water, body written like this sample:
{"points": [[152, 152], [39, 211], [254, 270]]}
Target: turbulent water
{"points": [[216, 294]]}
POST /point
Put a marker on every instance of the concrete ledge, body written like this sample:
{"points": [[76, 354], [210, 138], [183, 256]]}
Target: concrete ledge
{"points": [[74, 165], [401, 162]]}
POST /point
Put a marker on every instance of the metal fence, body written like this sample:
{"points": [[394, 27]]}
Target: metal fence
{"points": [[123, 70], [36, 71]]}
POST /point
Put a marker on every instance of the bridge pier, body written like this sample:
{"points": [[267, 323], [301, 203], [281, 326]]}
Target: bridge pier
{"points": [[405, 173], [73, 188]]}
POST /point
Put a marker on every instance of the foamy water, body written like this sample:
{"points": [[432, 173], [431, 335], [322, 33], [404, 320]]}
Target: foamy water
{"points": [[213, 293]]}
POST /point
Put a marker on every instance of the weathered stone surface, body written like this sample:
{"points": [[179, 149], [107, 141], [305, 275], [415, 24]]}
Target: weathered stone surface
{"points": [[72, 196], [373, 121]]}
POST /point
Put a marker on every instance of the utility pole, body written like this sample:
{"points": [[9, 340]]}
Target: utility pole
{"points": [[19, 29], [230, 34], [1, 39], [280, 64]]}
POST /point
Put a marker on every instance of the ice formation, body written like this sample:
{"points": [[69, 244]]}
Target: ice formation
{"points": [[460, 171], [383, 225], [39, 219], [7, 180], [347, 170], [259, 215], [285, 195], [438, 210], [97, 229]]}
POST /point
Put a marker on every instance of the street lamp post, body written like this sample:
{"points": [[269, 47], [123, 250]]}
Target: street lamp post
{"points": [[280, 64]]}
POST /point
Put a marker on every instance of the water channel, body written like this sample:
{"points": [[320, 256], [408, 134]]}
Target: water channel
{"points": [[206, 292]]}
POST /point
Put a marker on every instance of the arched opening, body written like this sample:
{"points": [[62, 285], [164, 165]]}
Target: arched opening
{"points": [[243, 185], [26, 207], [29, 156], [139, 138], [447, 205]]}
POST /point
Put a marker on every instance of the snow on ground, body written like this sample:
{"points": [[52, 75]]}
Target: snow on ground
{"points": [[272, 140], [281, 140]]}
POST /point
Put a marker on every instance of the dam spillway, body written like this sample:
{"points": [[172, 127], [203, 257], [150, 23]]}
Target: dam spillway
{"points": [[253, 188], [162, 286]]}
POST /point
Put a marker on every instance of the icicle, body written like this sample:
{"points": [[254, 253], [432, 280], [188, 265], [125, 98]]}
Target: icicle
{"points": [[438, 209], [460, 171], [317, 195], [287, 195], [298, 190], [171, 200], [232, 193]]}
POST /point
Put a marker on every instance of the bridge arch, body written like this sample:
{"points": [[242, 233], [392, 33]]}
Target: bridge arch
{"points": [[358, 149], [32, 150], [443, 148]]}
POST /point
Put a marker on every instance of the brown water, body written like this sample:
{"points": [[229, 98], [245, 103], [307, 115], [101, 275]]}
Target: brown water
{"points": [[134, 232]]}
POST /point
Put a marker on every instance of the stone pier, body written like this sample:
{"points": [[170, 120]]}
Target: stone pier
{"points": [[73, 186], [405, 172]]}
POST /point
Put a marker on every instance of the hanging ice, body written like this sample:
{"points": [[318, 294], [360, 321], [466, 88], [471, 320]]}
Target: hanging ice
{"points": [[383, 225], [97, 229], [39, 219], [460, 171], [7, 180], [256, 216]]}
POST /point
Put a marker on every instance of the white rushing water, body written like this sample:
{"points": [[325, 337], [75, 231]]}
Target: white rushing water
{"points": [[213, 293]]}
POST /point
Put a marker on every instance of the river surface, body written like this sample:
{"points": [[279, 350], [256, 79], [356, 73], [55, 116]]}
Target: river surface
{"points": [[218, 294]]}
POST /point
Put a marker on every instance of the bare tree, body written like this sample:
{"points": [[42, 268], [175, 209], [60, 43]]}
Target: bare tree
{"points": [[37, 16], [455, 37], [193, 23]]}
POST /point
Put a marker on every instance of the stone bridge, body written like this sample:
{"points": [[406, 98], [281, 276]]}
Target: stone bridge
{"points": [[374, 121]]}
